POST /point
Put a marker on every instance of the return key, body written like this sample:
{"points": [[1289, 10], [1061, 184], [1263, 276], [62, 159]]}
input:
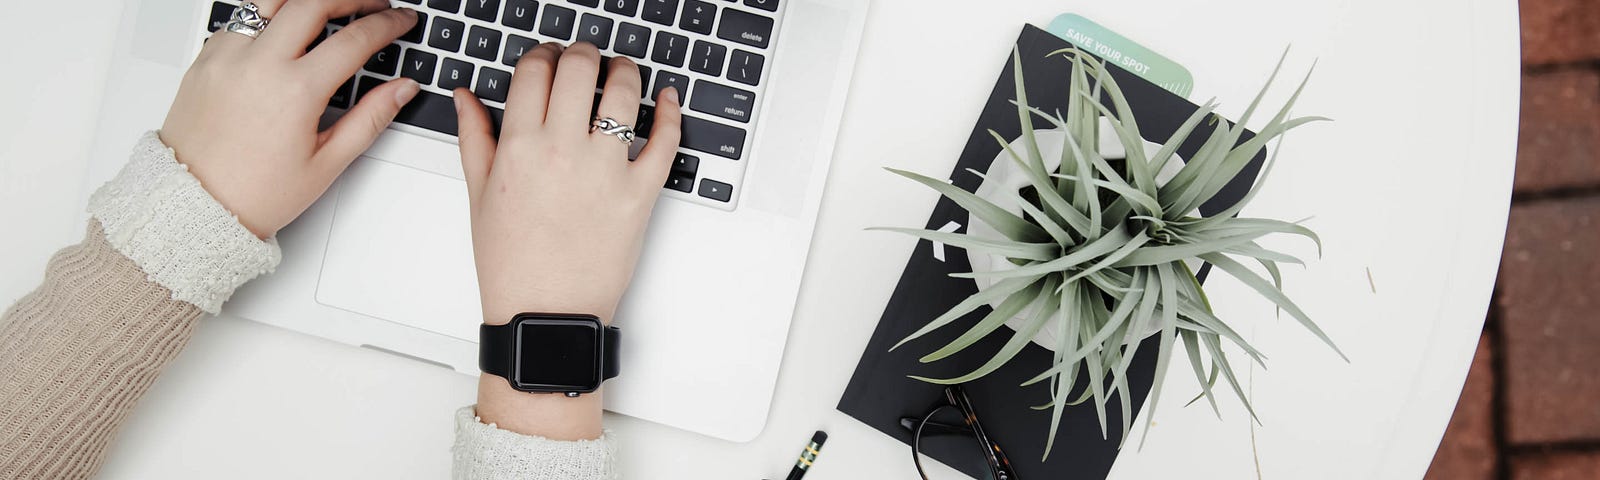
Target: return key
{"points": [[723, 101]]}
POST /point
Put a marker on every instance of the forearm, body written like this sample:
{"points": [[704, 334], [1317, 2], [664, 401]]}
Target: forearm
{"points": [[113, 311], [77, 353]]}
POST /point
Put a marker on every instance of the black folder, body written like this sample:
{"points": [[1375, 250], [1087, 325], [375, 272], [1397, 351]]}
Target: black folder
{"points": [[880, 394]]}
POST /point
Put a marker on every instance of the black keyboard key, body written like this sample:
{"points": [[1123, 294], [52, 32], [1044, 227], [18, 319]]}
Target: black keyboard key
{"points": [[595, 29], [497, 116], [681, 182], [446, 34], [341, 21], [666, 79], [483, 43], [455, 74], [632, 40], [726, 102], [685, 163], [343, 97], [716, 190], [451, 6], [220, 12], [713, 138], [520, 14], [516, 46], [413, 2], [698, 16], [483, 9], [660, 11], [493, 84], [431, 111], [745, 67], [671, 49], [415, 34], [587, 3], [645, 119], [707, 58], [744, 27], [386, 61], [623, 7], [366, 84], [558, 22], [418, 65], [768, 5]]}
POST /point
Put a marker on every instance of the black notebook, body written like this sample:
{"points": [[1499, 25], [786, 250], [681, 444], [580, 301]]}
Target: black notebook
{"points": [[880, 394]]}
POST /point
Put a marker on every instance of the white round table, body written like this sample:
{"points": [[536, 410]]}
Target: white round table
{"points": [[1409, 189]]}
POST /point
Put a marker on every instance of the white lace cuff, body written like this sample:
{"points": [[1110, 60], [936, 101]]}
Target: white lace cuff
{"points": [[157, 214], [486, 452]]}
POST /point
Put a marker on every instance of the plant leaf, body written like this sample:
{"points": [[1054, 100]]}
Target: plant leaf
{"points": [[1244, 275], [1089, 251], [1005, 222], [997, 291], [1006, 248], [1008, 308]]}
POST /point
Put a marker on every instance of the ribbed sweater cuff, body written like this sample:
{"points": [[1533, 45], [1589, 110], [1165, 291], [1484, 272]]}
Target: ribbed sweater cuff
{"points": [[158, 215], [484, 451]]}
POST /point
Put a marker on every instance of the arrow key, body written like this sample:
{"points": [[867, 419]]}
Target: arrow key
{"points": [[715, 190]]}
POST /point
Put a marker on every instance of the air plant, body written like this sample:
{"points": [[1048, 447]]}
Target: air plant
{"points": [[1103, 248]]}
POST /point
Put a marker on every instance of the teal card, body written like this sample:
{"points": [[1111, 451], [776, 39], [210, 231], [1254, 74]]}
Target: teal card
{"points": [[1122, 52]]}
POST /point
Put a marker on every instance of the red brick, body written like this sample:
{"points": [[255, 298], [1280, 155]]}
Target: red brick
{"points": [[1468, 450], [1559, 140], [1560, 31], [1550, 321], [1556, 466]]}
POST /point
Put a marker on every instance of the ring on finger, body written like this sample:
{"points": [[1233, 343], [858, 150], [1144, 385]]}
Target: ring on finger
{"points": [[610, 126], [247, 20]]}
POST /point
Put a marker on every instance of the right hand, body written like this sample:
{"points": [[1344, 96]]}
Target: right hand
{"points": [[558, 213]]}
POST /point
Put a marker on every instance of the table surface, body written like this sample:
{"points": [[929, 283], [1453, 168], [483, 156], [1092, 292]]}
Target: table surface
{"points": [[1409, 188]]}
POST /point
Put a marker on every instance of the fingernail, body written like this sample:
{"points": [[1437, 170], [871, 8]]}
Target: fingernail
{"points": [[460, 102], [407, 91], [671, 94]]}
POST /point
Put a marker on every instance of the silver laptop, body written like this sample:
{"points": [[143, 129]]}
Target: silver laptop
{"points": [[384, 260]]}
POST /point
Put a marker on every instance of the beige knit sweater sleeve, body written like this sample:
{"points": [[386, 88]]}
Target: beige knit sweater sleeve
{"points": [[77, 353]]}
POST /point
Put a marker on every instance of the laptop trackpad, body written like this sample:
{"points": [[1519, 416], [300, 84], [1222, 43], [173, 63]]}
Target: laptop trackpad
{"points": [[401, 250]]}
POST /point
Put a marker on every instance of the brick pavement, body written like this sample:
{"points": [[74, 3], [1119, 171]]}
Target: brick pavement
{"points": [[1530, 409]]}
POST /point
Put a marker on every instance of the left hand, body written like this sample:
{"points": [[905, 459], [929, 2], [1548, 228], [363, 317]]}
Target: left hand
{"points": [[245, 118]]}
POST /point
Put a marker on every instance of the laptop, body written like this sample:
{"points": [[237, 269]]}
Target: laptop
{"points": [[384, 259]]}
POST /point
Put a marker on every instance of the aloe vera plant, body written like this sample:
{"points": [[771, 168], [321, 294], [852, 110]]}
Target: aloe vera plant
{"points": [[1104, 250]]}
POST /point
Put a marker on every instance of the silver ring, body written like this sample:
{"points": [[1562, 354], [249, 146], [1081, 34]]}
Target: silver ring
{"points": [[610, 126], [247, 20]]}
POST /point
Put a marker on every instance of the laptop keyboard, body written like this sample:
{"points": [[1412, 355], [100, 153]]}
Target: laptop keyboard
{"points": [[714, 51]]}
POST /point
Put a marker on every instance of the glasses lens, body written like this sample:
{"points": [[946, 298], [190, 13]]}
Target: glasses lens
{"points": [[945, 437]]}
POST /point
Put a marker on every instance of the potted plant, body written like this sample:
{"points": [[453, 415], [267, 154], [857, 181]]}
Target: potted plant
{"points": [[1085, 238]]}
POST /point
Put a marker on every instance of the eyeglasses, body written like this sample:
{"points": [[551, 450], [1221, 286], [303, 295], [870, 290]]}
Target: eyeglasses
{"points": [[952, 428]]}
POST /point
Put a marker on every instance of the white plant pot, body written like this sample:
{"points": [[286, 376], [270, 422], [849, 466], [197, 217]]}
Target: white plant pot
{"points": [[1004, 175]]}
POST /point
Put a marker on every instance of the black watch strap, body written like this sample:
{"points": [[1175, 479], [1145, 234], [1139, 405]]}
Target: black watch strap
{"points": [[497, 350]]}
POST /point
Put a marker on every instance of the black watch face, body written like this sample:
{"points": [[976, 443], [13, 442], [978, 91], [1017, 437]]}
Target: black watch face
{"points": [[558, 355]]}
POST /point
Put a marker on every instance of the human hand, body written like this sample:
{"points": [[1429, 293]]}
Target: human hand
{"points": [[245, 118], [558, 213]]}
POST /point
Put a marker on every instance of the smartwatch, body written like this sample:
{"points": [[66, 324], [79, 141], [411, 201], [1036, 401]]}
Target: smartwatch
{"points": [[562, 353]]}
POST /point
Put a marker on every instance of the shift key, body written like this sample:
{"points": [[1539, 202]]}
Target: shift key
{"points": [[726, 102], [712, 137]]}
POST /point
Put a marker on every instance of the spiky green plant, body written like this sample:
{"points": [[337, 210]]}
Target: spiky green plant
{"points": [[1102, 251]]}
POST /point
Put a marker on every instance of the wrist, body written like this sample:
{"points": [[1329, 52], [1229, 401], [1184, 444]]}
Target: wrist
{"points": [[500, 311]]}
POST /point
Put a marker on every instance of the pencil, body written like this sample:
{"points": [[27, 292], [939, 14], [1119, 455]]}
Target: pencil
{"points": [[808, 455]]}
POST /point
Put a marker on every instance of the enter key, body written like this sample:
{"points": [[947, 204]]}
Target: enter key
{"points": [[723, 101]]}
